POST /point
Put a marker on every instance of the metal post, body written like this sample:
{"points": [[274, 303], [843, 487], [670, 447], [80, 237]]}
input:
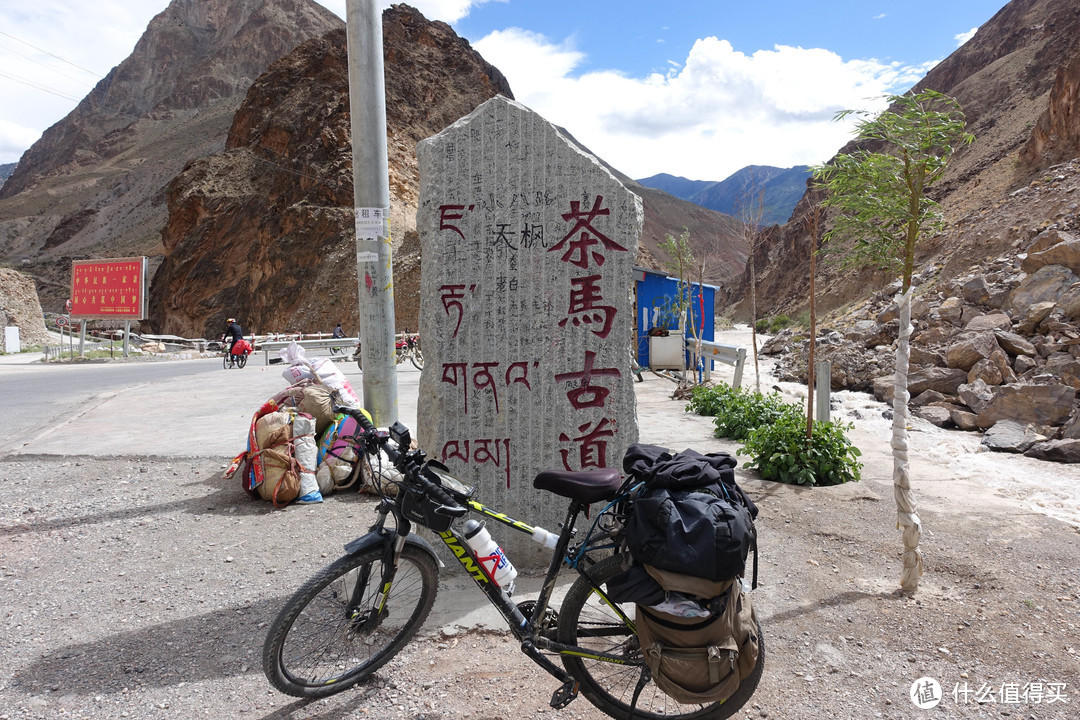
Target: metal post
{"points": [[740, 361], [82, 339], [371, 197], [822, 385], [127, 336]]}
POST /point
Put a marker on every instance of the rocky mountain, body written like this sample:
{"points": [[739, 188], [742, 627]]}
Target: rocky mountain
{"points": [[263, 230], [996, 311], [1019, 66], [779, 190], [92, 186], [5, 172]]}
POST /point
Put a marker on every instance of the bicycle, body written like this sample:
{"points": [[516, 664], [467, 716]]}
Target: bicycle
{"points": [[406, 347], [355, 614], [237, 355]]}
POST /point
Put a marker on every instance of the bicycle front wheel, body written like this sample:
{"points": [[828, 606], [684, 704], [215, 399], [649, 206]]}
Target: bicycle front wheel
{"points": [[331, 635], [417, 358], [225, 361], [586, 620]]}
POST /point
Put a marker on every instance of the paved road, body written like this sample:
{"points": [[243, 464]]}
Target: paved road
{"points": [[168, 408]]}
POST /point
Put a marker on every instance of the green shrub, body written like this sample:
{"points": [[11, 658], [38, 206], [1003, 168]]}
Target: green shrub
{"points": [[774, 324], [780, 451], [709, 400]]}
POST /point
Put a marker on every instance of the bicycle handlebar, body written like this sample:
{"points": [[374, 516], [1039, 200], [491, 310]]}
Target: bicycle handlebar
{"points": [[373, 439]]}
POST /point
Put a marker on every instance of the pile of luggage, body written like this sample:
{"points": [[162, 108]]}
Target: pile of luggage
{"points": [[299, 448], [689, 534]]}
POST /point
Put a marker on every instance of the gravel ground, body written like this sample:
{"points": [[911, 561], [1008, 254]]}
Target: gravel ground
{"points": [[141, 587]]}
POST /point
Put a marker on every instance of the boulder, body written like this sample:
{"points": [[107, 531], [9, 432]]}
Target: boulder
{"points": [[1014, 344], [970, 349], [1033, 315], [976, 395], [1065, 253], [950, 310], [1023, 364], [992, 321], [944, 380], [1047, 239], [921, 356], [928, 397], [976, 291], [1070, 374], [964, 420], [935, 335], [935, 415], [1011, 436], [1065, 451], [1071, 429], [1069, 303], [986, 370], [1046, 285], [1039, 404]]}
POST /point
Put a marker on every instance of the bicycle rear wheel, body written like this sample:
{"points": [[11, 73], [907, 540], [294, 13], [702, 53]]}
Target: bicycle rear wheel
{"points": [[587, 621], [417, 357], [330, 636], [241, 360]]}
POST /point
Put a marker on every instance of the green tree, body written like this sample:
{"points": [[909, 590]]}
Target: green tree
{"points": [[880, 194]]}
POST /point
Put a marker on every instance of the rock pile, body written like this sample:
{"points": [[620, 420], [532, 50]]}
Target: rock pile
{"points": [[996, 350], [20, 307]]}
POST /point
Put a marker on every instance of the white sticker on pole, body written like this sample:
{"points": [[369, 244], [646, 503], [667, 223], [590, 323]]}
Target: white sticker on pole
{"points": [[367, 257], [370, 222]]}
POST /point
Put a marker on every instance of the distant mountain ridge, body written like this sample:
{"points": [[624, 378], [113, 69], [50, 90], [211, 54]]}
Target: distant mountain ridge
{"points": [[780, 189], [5, 172]]}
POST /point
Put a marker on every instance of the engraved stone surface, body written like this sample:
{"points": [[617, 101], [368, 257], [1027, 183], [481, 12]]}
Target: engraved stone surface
{"points": [[528, 245]]}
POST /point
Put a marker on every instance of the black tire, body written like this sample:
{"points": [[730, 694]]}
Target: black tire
{"points": [[417, 357], [241, 360], [317, 647], [610, 687], [226, 361], [359, 361]]}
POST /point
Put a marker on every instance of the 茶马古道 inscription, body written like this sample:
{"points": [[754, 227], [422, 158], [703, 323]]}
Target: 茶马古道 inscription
{"points": [[528, 249]]}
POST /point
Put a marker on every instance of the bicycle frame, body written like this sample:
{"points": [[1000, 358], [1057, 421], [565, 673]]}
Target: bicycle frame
{"points": [[526, 629]]}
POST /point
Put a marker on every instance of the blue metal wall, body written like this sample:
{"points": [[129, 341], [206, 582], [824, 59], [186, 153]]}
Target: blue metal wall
{"points": [[654, 290]]}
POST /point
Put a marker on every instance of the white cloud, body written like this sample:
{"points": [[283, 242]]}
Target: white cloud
{"points": [[881, 16], [962, 38], [722, 110]]}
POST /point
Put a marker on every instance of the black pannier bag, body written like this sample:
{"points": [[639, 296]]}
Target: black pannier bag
{"points": [[692, 517]]}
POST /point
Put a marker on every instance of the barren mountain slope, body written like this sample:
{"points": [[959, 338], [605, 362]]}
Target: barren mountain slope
{"points": [[1004, 78], [92, 186]]}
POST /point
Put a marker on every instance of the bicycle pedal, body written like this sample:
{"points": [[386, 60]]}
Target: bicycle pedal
{"points": [[565, 694]]}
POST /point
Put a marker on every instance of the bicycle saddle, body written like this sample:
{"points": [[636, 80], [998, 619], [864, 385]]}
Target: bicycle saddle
{"points": [[585, 485]]}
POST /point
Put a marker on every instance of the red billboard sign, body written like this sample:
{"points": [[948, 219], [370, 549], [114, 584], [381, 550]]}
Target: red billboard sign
{"points": [[106, 289]]}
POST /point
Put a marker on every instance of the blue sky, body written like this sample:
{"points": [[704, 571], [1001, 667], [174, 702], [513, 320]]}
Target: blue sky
{"points": [[688, 87]]}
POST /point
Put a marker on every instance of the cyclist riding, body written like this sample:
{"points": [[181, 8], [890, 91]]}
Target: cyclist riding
{"points": [[232, 334]]}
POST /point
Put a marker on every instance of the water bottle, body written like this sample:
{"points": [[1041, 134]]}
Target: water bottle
{"points": [[490, 555]]}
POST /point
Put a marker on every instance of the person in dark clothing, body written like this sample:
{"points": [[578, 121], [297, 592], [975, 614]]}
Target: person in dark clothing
{"points": [[232, 333], [338, 332]]}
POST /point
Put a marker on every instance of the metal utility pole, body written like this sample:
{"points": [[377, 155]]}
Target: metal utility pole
{"points": [[371, 198]]}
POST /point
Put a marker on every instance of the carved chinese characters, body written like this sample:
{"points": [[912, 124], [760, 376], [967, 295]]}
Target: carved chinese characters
{"points": [[528, 249]]}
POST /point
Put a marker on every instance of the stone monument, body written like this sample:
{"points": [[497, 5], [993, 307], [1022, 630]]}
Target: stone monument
{"points": [[528, 245]]}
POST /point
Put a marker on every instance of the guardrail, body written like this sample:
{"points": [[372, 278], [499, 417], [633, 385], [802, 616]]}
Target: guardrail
{"points": [[721, 352], [343, 342]]}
